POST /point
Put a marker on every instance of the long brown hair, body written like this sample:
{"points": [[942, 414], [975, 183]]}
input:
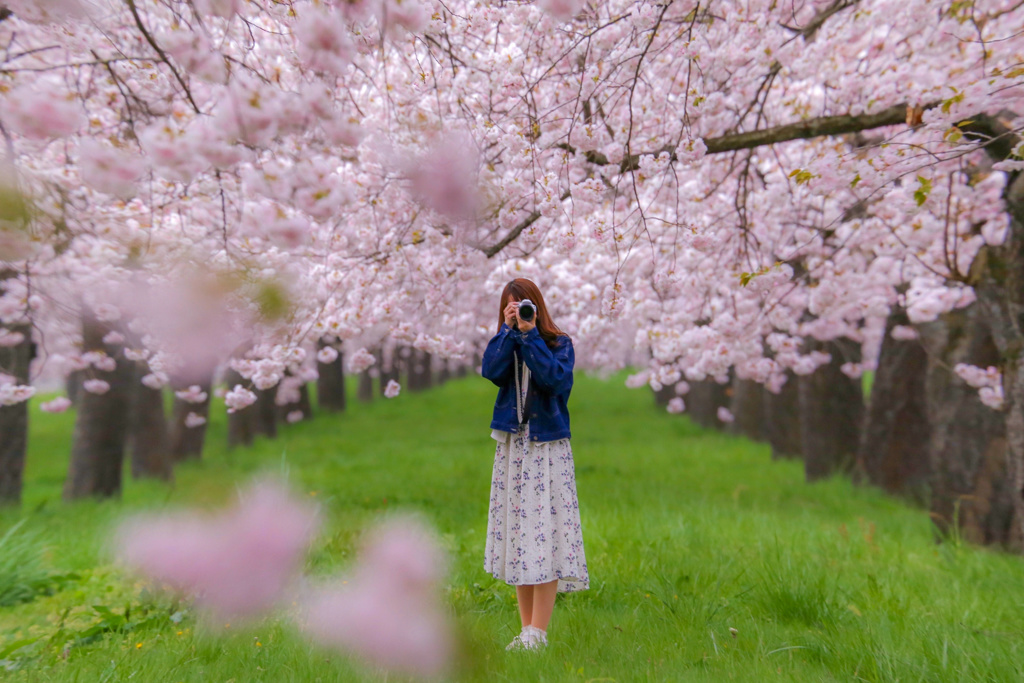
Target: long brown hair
{"points": [[521, 288]]}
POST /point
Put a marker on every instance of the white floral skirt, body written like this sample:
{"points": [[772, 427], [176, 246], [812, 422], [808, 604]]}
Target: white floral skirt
{"points": [[533, 527]]}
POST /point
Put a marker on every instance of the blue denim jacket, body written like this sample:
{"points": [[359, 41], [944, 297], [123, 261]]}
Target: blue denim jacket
{"points": [[550, 382]]}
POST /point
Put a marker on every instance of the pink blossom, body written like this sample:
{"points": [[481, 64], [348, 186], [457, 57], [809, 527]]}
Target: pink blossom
{"points": [[327, 355], [563, 10], [588, 192], [96, 386], [265, 381], [324, 41], [113, 338], [411, 15], [392, 389], [191, 315], [676, 405], [239, 398], [193, 50], [171, 152], [9, 338], [236, 563], [42, 110], [725, 415], [612, 303], [294, 416], [387, 612], [638, 380], [56, 405], [903, 333], [194, 394], [107, 312], [691, 151], [978, 377], [100, 360], [218, 8], [109, 169], [444, 178], [852, 370], [988, 381], [992, 397], [12, 393], [360, 360], [47, 11], [194, 420], [155, 380], [134, 354]]}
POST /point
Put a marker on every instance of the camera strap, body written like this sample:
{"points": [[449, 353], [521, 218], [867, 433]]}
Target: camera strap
{"points": [[521, 387]]}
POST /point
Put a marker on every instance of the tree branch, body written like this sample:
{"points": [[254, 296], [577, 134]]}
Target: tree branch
{"points": [[816, 22], [519, 227], [812, 128], [163, 55]]}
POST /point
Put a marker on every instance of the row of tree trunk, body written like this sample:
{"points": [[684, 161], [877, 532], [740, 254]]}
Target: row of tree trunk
{"points": [[923, 433], [131, 418]]}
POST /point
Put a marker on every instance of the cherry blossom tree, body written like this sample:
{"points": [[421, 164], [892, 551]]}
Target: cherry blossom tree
{"points": [[702, 187]]}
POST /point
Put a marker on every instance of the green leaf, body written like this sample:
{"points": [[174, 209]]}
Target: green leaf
{"points": [[955, 99], [802, 176], [855, 181], [922, 192], [10, 648], [109, 618]]}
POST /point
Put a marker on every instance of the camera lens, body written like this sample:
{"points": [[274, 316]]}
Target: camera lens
{"points": [[526, 310]]}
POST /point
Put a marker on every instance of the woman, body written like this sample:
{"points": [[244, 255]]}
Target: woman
{"points": [[534, 537]]}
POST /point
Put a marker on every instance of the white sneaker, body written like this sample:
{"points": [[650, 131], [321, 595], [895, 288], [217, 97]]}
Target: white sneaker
{"points": [[519, 642], [534, 638]]}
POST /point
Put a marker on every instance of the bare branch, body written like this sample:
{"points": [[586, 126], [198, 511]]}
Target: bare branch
{"points": [[514, 232]]}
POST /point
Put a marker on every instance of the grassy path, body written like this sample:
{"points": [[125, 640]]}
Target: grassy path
{"points": [[708, 562]]}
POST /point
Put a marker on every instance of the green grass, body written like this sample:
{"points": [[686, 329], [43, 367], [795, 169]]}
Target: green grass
{"points": [[688, 535]]}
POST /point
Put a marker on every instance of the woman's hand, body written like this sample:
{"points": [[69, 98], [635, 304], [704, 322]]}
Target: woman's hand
{"points": [[525, 326], [511, 314]]}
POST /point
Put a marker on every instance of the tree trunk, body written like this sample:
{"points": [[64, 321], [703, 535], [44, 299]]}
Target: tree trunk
{"points": [[14, 361], [664, 395], [147, 433], [330, 385], [414, 370], [703, 401], [101, 425], [970, 486], [241, 423], [300, 404], [782, 419], [265, 418], [420, 371], [444, 371], [73, 385], [394, 369], [747, 408], [831, 412], [997, 275], [365, 391], [893, 452], [186, 443]]}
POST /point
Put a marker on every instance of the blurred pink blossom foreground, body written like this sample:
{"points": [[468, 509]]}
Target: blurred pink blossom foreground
{"points": [[241, 562], [387, 611], [236, 563]]}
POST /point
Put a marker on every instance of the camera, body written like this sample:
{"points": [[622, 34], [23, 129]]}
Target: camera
{"points": [[527, 310]]}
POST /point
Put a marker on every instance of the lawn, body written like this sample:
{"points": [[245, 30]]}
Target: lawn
{"points": [[708, 561]]}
